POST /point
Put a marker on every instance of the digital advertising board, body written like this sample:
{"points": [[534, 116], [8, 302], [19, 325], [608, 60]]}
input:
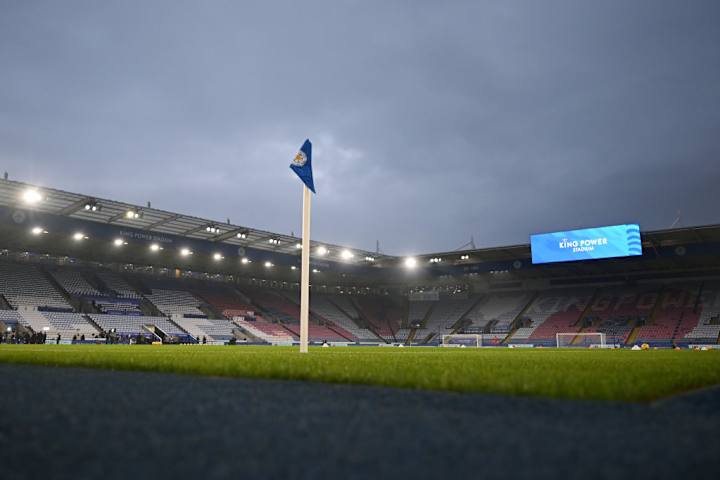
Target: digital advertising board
{"points": [[586, 244]]}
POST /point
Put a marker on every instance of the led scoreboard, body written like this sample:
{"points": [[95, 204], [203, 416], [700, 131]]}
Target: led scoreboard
{"points": [[586, 244]]}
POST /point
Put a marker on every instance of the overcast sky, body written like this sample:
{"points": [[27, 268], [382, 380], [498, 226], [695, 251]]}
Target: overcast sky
{"points": [[431, 121]]}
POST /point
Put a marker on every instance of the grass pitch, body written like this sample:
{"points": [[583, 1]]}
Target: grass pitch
{"points": [[572, 374]]}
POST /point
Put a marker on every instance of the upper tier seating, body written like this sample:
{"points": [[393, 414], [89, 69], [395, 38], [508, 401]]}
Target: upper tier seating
{"points": [[446, 313], [74, 282], [323, 306], [707, 329], [176, 302], [117, 284], [226, 302], [382, 314], [25, 286], [502, 308], [552, 312]]}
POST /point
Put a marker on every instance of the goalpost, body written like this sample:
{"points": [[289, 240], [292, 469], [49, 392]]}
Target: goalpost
{"points": [[581, 339], [462, 340]]}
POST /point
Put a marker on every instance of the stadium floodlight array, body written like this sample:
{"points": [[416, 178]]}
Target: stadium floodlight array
{"points": [[462, 340], [580, 340]]}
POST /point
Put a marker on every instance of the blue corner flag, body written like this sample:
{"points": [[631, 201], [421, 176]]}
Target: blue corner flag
{"points": [[302, 165]]}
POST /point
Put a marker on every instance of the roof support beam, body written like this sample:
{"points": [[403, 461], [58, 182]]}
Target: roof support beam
{"points": [[74, 207], [163, 221]]}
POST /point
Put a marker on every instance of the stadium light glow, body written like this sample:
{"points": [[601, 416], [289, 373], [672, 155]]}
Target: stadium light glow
{"points": [[435, 260], [410, 262], [346, 255], [155, 247], [185, 252], [293, 267], [92, 206], [77, 236], [242, 235], [298, 246], [464, 257], [133, 214], [268, 264], [212, 229], [38, 231], [369, 259], [274, 241], [322, 251], [217, 256], [315, 270], [119, 242], [31, 196]]}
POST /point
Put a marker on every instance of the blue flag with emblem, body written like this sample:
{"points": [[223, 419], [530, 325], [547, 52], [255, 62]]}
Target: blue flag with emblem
{"points": [[302, 165]]}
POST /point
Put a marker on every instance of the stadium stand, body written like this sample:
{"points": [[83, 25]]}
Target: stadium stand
{"points": [[707, 329], [176, 302], [381, 313], [552, 312], [324, 307], [25, 287], [137, 325], [73, 282], [446, 313], [117, 285], [214, 330], [495, 312], [270, 332]]}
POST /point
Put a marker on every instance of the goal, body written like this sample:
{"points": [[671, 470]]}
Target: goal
{"points": [[462, 340], [580, 339]]}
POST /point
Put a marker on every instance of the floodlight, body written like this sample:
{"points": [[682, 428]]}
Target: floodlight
{"points": [[242, 235], [92, 206], [322, 250], [8, 329], [133, 214], [369, 259], [293, 267], [46, 329], [315, 270], [410, 262], [268, 264], [274, 241], [245, 261], [38, 231], [346, 255], [31, 196], [217, 257], [464, 257], [119, 242], [298, 246], [185, 252], [77, 236], [155, 247]]}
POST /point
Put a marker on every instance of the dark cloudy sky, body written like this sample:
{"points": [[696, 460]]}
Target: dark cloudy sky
{"points": [[431, 121]]}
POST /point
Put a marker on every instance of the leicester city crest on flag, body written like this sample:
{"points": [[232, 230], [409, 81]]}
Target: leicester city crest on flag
{"points": [[302, 165]]}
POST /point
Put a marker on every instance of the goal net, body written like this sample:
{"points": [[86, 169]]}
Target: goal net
{"points": [[462, 340], [581, 340]]}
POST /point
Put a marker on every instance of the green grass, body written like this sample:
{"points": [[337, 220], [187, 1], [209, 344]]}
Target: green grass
{"points": [[576, 374]]}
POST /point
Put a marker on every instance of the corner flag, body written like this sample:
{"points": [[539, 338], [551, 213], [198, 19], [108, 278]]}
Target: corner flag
{"points": [[302, 165]]}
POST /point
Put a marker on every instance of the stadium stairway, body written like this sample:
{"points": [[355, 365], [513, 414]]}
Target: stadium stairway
{"points": [[75, 303], [588, 307], [365, 325], [4, 305]]}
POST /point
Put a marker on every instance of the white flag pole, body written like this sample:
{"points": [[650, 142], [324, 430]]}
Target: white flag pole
{"points": [[305, 272]]}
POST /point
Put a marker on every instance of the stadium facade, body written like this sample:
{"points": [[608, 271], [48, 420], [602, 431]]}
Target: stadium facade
{"points": [[78, 266]]}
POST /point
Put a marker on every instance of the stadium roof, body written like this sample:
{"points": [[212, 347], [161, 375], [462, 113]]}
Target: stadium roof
{"points": [[73, 205]]}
